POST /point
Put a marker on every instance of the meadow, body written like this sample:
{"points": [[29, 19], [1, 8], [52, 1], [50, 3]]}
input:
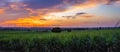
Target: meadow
{"points": [[104, 40]]}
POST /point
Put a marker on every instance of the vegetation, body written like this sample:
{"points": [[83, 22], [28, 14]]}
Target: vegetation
{"points": [[107, 40], [69, 30], [56, 30]]}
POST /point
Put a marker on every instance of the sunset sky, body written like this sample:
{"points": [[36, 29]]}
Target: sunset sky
{"points": [[63, 13]]}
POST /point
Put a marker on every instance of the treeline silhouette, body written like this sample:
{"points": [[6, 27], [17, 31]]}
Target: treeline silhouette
{"points": [[51, 29]]}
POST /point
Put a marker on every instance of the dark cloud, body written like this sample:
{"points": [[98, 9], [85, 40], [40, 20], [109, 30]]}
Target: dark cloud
{"points": [[111, 1], [56, 25], [75, 1], [3, 3], [87, 16], [68, 17], [77, 14], [37, 4], [43, 19], [81, 13]]}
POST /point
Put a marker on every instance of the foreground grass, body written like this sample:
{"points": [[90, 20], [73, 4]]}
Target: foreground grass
{"points": [[107, 40]]}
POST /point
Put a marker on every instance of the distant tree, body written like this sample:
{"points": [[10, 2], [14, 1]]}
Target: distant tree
{"points": [[28, 29], [68, 30], [56, 30], [45, 31]]}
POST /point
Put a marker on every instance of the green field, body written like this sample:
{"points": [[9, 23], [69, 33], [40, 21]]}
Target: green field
{"points": [[106, 40]]}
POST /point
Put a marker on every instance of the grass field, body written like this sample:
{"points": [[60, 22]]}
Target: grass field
{"points": [[106, 40]]}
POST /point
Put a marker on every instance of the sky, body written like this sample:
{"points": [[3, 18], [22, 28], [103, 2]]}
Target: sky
{"points": [[59, 13]]}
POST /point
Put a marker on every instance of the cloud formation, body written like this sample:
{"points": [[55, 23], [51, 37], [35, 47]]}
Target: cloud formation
{"points": [[2, 11], [19, 12], [79, 15]]}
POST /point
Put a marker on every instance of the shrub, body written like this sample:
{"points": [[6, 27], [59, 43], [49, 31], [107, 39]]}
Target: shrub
{"points": [[68, 30], [56, 30], [44, 31]]}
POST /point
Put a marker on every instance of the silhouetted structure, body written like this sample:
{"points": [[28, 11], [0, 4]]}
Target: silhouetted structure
{"points": [[56, 30]]}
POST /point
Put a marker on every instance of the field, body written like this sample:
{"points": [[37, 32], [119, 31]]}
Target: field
{"points": [[104, 40]]}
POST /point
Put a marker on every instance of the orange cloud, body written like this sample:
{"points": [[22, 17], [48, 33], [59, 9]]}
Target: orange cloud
{"points": [[28, 22], [2, 11], [34, 21], [38, 21]]}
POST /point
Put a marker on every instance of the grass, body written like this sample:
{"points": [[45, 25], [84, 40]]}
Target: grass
{"points": [[106, 40]]}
